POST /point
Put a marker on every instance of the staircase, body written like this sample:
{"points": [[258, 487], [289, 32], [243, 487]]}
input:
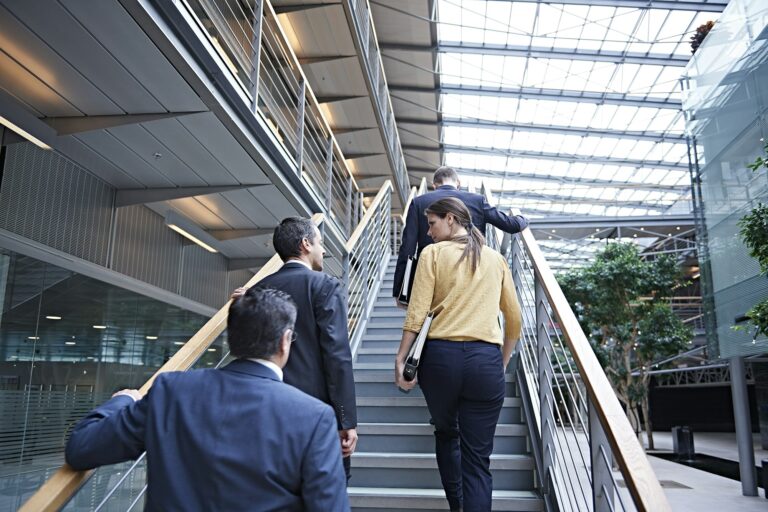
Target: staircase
{"points": [[394, 467]]}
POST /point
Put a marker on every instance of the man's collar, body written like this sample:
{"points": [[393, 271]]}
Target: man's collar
{"points": [[252, 367], [300, 262], [447, 187], [269, 364]]}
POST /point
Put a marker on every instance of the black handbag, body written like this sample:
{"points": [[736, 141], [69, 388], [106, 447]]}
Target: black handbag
{"points": [[414, 354], [404, 295]]}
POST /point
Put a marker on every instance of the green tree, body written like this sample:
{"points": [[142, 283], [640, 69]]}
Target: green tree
{"points": [[621, 301], [753, 228]]}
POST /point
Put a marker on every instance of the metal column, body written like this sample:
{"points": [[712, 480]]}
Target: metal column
{"points": [[743, 427]]}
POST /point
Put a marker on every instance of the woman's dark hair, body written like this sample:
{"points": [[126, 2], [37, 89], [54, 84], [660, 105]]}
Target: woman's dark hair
{"points": [[473, 240], [257, 321]]}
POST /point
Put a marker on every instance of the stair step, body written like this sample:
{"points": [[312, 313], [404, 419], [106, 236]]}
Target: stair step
{"points": [[377, 499], [419, 471], [413, 409], [386, 315], [419, 438]]}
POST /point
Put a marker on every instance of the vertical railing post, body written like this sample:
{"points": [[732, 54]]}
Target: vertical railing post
{"points": [[302, 101], [546, 394], [329, 177], [256, 57], [365, 262], [602, 460], [348, 213], [345, 270]]}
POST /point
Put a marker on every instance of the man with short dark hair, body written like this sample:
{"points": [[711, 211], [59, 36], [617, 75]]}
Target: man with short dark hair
{"points": [[321, 359], [235, 438], [446, 183]]}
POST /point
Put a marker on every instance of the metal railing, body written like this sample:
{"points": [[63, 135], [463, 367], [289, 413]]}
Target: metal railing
{"points": [[398, 221], [365, 255], [369, 47], [578, 429], [254, 48]]}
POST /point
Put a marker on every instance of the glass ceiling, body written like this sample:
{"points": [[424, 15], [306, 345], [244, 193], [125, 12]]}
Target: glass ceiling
{"points": [[619, 151]]}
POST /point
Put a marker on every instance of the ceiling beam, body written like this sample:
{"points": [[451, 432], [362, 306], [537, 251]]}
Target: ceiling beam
{"points": [[548, 178], [657, 221], [535, 93], [675, 5], [238, 234], [336, 99], [542, 52], [509, 201], [561, 157], [133, 196], [244, 263], [81, 124], [544, 128]]}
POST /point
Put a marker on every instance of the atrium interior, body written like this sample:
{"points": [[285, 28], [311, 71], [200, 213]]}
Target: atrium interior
{"points": [[149, 149]]}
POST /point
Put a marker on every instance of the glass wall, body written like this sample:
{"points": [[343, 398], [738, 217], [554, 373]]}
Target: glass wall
{"points": [[67, 342], [726, 104]]}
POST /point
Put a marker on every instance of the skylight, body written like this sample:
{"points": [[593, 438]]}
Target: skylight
{"points": [[567, 109]]}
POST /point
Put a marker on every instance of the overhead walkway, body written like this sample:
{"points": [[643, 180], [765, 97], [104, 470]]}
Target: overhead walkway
{"points": [[561, 432]]}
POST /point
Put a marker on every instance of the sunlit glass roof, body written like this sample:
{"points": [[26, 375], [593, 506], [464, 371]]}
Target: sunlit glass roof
{"points": [[568, 108], [559, 154]]}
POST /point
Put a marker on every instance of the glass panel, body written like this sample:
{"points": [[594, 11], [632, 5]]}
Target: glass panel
{"points": [[67, 342]]}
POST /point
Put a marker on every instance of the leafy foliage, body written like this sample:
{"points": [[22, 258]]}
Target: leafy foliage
{"points": [[620, 301], [701, 32], [753, 228]]}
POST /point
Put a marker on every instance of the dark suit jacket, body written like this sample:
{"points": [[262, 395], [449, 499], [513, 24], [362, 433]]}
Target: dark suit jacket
{"points": [[230, 439], [321, 360], [416, 227]]}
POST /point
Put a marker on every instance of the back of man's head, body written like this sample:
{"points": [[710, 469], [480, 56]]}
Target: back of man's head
{"points": [[257, 321], [289, 234], [445, 176]]}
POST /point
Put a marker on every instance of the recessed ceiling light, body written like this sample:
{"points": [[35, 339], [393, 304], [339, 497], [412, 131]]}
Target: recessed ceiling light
{"points": [[178, 342], [70, 343], [151, 337], [99, 326], [33, 337], [678, 228], [211, 350], [53, 317]]}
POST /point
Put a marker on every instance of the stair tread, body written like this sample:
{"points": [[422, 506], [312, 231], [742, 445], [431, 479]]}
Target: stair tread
{"points": [[385, 375], [412, 401], [502, 429], [499, 462], [392, 491]]}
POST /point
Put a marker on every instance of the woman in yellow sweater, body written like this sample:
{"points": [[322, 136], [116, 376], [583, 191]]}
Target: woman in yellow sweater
{"points": [[462, 366]]}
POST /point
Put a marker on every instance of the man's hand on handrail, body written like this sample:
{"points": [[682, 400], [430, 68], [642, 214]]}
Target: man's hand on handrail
{"points": [[239, 292]]}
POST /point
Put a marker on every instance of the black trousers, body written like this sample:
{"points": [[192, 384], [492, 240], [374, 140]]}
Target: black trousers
{"points": [[463, 383]]}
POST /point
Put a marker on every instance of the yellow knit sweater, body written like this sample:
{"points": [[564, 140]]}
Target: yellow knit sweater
{"points": [[468, 303]]}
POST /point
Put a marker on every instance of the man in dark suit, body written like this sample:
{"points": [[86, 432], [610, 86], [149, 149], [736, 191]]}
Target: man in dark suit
{"points": [[235, 438], [321, 359], [446, 184]]}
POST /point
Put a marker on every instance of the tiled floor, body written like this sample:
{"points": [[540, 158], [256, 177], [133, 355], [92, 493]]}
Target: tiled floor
{"points": [[706, 492]]}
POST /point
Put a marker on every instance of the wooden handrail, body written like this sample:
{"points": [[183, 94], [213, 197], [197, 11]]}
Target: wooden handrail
{"points": [[369, 212], [641, 481], [59, 489]]}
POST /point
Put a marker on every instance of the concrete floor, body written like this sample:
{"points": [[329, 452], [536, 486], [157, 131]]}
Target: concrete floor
{"points": [[706, 492]]}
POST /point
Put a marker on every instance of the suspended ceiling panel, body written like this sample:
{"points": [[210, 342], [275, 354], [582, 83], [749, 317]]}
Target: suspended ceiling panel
{"points": [[78, 58]]}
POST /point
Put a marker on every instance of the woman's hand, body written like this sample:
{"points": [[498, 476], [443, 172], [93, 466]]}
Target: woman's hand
{"points": [[399, 380]]}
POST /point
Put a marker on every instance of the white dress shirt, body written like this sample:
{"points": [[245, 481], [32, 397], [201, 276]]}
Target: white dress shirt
{"points": [[269, 364]]}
